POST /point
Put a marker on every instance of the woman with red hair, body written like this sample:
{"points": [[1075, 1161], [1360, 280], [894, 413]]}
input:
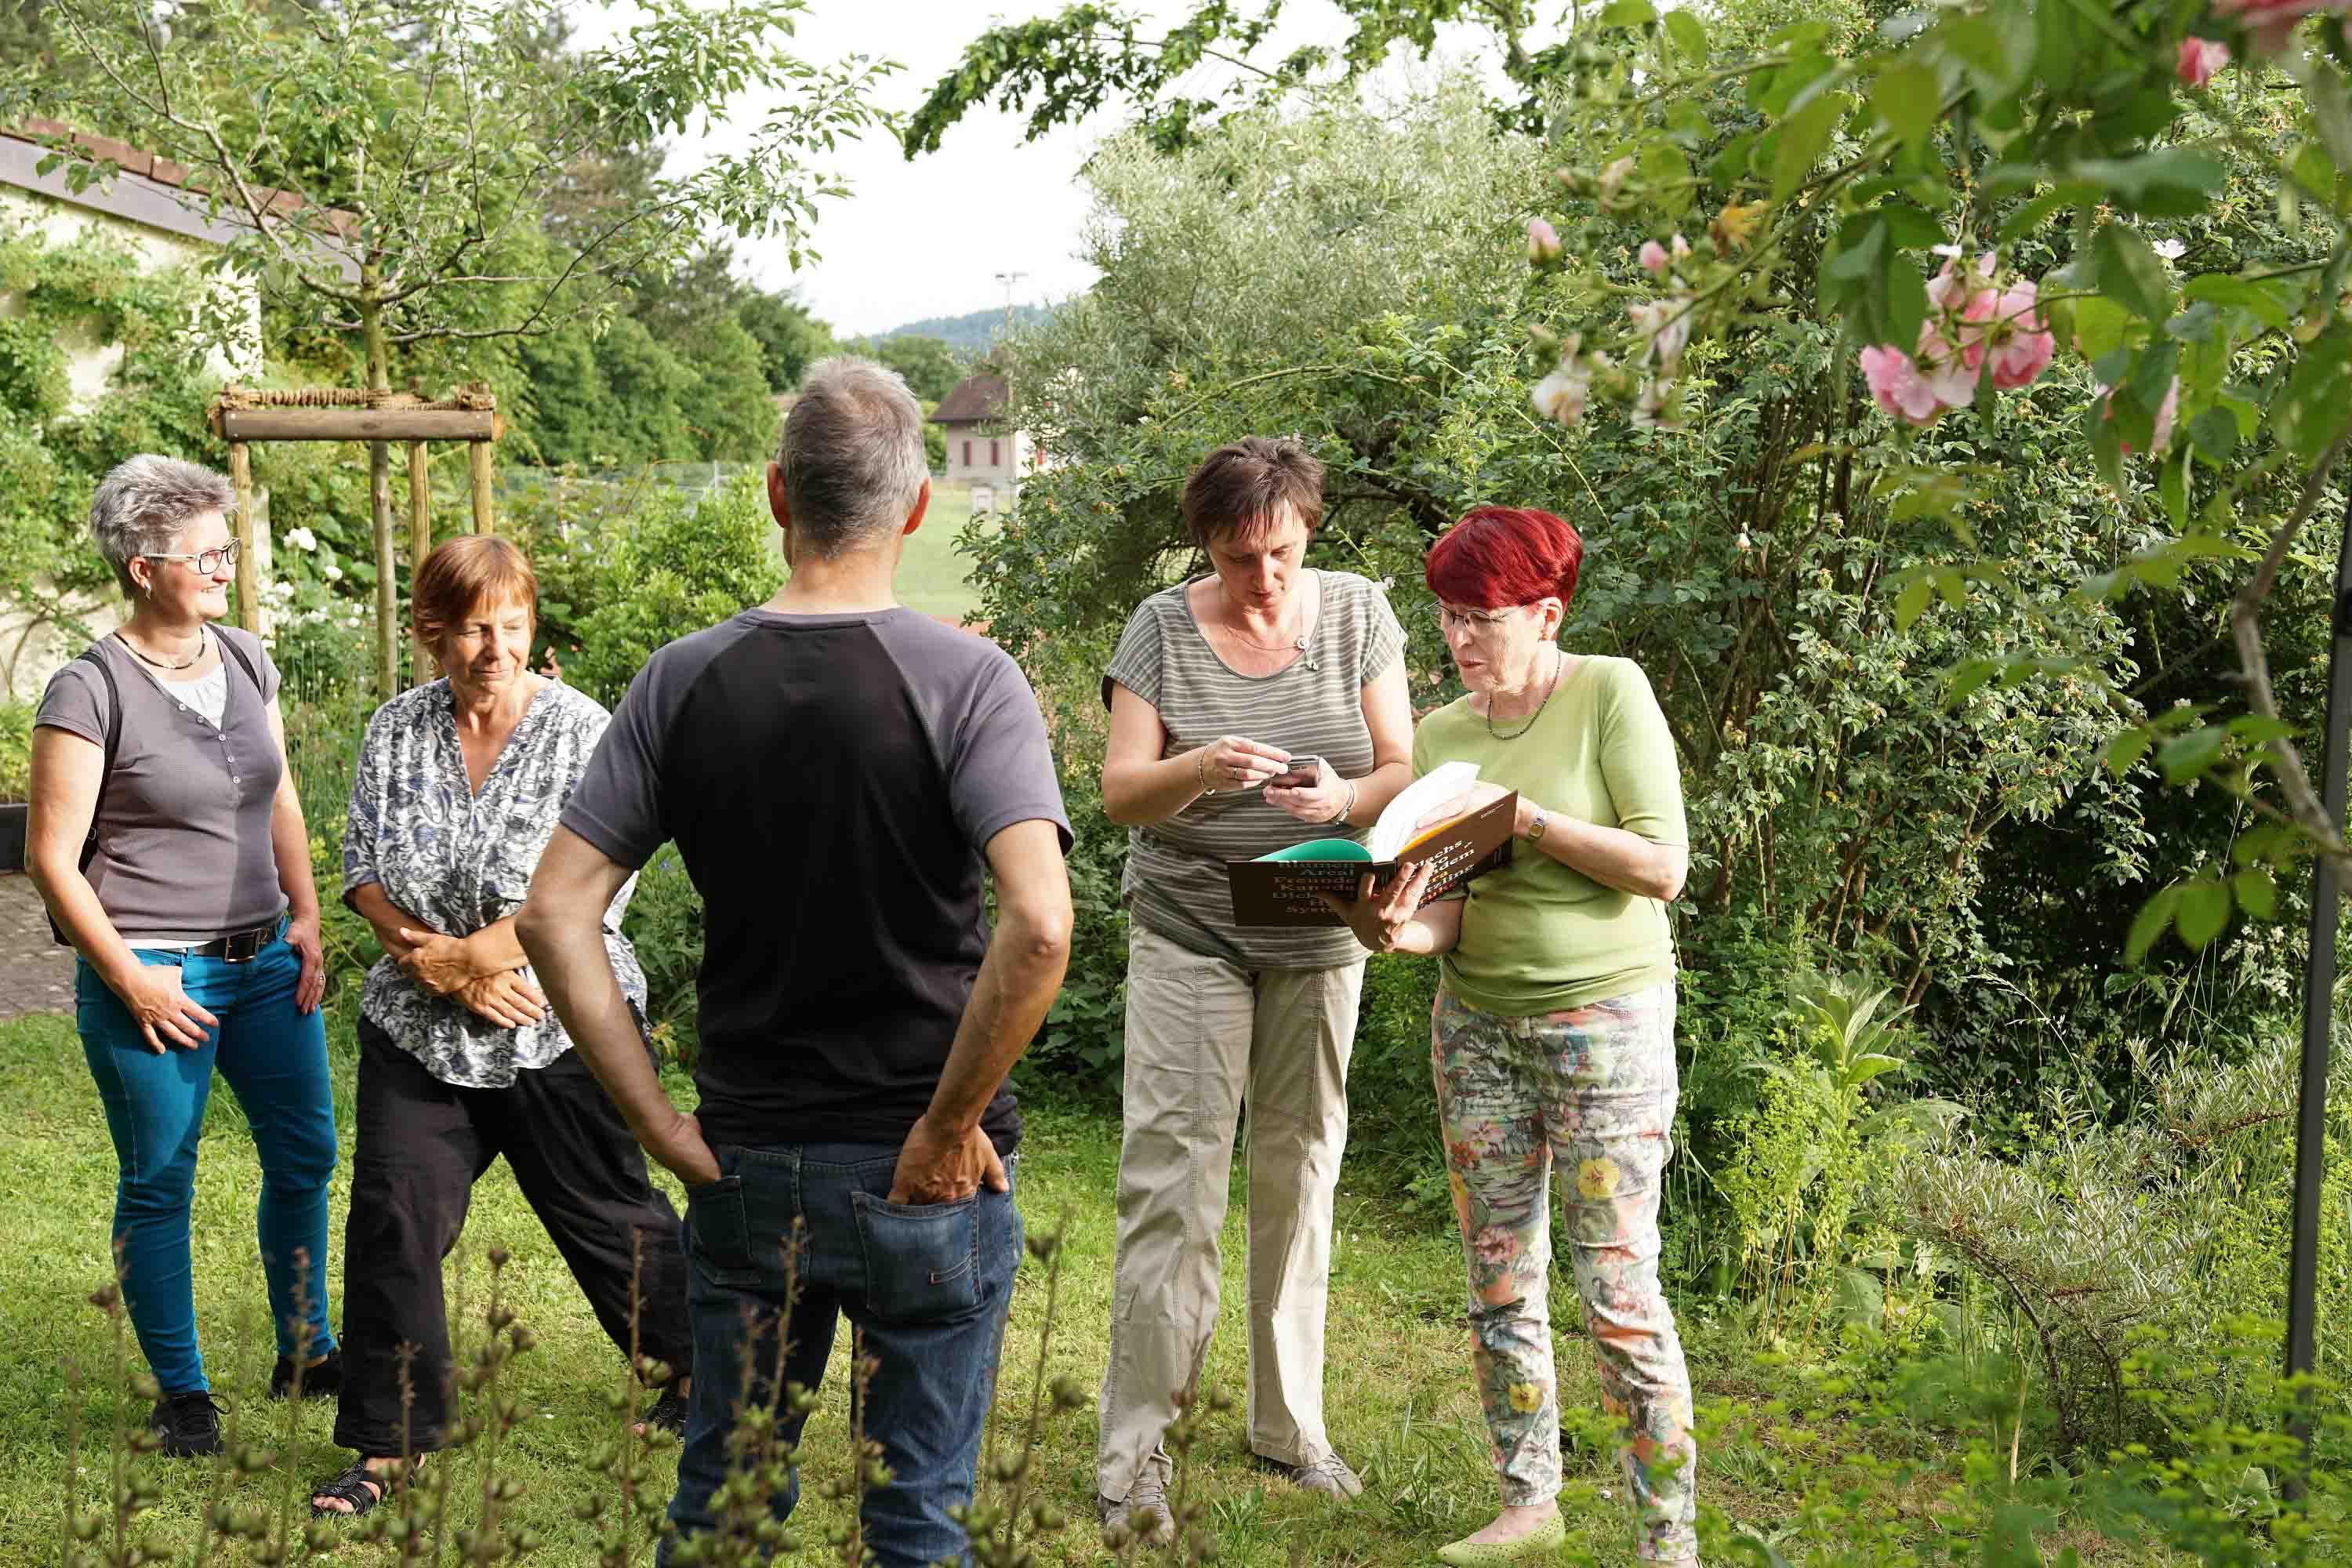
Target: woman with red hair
{"points": [[1553, 1032]]}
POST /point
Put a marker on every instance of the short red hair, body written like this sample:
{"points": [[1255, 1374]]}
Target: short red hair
{"points": [[1501, 556]]}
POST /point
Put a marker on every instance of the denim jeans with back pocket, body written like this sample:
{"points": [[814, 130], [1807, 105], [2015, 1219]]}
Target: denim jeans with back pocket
{"points": [[926, 1286]]}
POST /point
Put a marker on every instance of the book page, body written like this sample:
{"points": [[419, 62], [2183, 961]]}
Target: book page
{"points": [[1425, 795]]}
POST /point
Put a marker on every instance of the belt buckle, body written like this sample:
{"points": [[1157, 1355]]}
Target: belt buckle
{"points": [[243, 947]]}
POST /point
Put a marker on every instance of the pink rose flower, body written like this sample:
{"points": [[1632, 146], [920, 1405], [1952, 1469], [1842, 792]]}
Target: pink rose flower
{"points": [[1543, 243], [2009, 328], [2271, 21], [1653, 258], [1957, 288], [2201, 58], [1917, 387], [1898, 386]]}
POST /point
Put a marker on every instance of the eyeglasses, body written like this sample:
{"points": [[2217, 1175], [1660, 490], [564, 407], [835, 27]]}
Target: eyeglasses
{"points": [[208, 560], [1474, 621]]}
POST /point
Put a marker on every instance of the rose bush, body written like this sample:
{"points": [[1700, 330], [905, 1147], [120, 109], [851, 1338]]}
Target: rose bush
{"points": [[2055, 156]]}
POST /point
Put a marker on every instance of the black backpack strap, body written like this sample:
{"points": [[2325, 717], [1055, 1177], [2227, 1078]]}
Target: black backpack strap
{"points": [[97, 660], [228, 646]]}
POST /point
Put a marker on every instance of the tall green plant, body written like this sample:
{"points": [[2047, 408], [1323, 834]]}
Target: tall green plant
{"points": [[420, 145]]}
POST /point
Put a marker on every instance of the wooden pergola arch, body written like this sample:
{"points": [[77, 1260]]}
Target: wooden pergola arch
{"points": [[241, 416]]}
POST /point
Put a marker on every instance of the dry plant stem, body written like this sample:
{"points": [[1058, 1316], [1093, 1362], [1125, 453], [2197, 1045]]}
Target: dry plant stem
{"points": [[622, 1550], [119, 1467], [73, 1461], [412, 1540], [429, 1548], [1024, 1478], [287, 1538], [2245, 624], [861, 1379], [494, 1422]]}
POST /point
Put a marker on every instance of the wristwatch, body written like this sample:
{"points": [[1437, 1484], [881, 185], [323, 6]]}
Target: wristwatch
{"points": [[1535, 829]]}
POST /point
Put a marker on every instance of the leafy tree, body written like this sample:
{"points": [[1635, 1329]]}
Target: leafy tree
{"points": [[427, 143], [930, 366], [1064, 68], [1253, 281], [790, 338]]}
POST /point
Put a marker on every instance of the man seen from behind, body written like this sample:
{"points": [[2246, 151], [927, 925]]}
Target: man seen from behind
{"points": [[842, 776]]}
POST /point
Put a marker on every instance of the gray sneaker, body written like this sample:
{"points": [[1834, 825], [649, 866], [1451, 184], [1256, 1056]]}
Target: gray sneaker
{"points": [[1143, 1514], [1328, 1474]]}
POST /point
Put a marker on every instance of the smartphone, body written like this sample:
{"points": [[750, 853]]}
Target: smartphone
{"points": [[1299, 773]]}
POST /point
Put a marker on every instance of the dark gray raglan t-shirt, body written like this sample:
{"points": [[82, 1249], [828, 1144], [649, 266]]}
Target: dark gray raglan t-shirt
{"points": [[183, 846], [831, 783]]}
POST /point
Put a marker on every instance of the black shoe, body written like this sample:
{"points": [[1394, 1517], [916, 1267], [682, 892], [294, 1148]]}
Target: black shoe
{"points": [[323, 1381], [668, 1413], [186, 1426]]}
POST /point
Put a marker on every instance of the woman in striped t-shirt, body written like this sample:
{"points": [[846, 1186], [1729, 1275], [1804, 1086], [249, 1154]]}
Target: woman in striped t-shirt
{"points": [[1216, 685]]}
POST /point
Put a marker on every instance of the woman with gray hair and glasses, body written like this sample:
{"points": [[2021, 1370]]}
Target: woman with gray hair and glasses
{"points": [[167, 841]]}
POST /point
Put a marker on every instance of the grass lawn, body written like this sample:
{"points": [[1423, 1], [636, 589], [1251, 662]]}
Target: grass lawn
{"points": [[1399, 1389], [932, 572]]}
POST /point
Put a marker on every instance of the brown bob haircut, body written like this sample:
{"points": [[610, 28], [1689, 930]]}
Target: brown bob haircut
{"points": [[471, 571], [1246, 486]]}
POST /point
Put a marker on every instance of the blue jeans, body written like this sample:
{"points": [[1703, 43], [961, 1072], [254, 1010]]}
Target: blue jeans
{"points": [[275, 1060], [927, 1286]]}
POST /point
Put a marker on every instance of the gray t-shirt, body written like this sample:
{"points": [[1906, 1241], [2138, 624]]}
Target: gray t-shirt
{"points": [[183, 845], [1175, 882], [831, 783], [459, 861]]}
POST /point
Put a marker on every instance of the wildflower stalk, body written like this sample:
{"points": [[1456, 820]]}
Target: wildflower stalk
{"points": [[110, 1302], [71, 1558], [412, 1539], [285, 1538], [1019, 1471]]}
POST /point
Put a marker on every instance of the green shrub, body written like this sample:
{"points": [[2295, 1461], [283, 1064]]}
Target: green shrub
{"points": [[1079, 1050], [1393, 1147], [623, 570], [15, 751], [663, 922]]}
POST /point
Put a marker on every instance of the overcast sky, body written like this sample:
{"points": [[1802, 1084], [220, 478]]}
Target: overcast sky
{"points": [[927, 237]]}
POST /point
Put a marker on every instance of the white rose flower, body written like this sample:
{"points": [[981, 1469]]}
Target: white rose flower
{"points": [[2170, 249], [301, 538], [332, 572]]}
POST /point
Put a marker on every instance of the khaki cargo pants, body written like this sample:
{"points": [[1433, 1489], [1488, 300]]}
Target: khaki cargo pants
{"points": [[1203, 1037]]}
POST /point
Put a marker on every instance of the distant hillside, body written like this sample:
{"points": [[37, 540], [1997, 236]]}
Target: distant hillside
{"points": [[974, 334]]}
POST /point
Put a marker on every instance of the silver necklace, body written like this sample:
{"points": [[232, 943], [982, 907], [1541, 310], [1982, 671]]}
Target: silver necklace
{"points": [[1299, 643], [1559, 662]]}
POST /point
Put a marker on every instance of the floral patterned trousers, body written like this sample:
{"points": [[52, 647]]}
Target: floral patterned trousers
{"points": [[1592, 1090]]}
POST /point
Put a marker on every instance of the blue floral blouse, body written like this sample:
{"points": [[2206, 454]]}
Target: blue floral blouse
{"points": [[460, 861]]}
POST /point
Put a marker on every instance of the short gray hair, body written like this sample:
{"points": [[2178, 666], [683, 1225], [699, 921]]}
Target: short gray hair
{"points": [[146, 502], [852, 456]]}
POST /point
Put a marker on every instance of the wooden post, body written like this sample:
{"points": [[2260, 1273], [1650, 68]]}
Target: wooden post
{"points": [[479, 454], [249, 535], [420, 545]]}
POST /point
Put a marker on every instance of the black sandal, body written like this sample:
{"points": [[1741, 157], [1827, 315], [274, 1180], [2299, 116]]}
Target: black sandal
{"points": [[359, 1486]]}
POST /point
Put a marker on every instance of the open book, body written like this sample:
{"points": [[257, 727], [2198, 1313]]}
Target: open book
{"points": [[1284, 888]]}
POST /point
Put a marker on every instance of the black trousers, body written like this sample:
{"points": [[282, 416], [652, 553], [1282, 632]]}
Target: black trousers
{"points": [[422, 1144]]}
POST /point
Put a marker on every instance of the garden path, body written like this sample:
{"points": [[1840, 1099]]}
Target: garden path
{"points": [[36, 974]]}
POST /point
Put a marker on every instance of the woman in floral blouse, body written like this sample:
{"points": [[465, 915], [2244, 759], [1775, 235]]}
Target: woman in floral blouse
{"points": [[461, 1060]]}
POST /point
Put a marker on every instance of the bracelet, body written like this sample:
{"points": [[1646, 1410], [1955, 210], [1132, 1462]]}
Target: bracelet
{"points": [[1200, 771], [1348, 810]]}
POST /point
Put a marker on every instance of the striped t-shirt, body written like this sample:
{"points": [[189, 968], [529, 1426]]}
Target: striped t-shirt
{"points": [[1175, 882]]}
